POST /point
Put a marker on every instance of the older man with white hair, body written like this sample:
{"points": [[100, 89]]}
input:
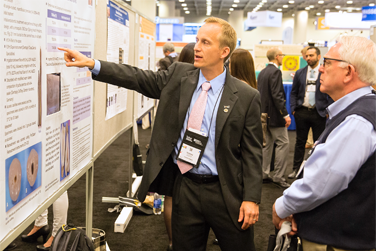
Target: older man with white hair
{"points": [[332, 206]]}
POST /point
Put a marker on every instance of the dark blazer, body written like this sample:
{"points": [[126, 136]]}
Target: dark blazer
{"points": [[238, 139], [273, 98], [165, 62], [298, 92]]}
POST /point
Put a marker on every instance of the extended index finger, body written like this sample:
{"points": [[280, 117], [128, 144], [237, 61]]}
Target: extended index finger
{"points": [[64, 49]]}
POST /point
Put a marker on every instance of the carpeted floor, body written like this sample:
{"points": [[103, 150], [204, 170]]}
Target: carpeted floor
{"points": [[144, 233]]}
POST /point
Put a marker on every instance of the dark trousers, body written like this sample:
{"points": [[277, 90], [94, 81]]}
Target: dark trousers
{"points": [[199, 207], [306, 118]]}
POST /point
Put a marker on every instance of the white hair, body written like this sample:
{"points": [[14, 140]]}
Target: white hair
{"points": [[361, 53], [168, 47]]}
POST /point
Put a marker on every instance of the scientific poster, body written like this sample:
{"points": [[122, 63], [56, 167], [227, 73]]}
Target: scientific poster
{"points": [[117, 52], [146, 60], [45, 107]]}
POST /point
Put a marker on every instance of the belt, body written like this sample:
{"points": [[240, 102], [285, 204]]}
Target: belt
{"points": [[200, 178], [309, 109]]}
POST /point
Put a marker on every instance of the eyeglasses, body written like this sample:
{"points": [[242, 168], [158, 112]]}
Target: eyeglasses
{"points": [[334, 59], [281, 55]]}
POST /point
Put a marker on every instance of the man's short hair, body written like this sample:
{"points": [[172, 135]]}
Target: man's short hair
{"points": [[228, 37], [315, 48], [304, 50], [168, 47], [361, 53], [271, 54]]}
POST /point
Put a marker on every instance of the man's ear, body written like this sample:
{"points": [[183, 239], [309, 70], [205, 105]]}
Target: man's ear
{"points": [[225, 52], [319, 57]]}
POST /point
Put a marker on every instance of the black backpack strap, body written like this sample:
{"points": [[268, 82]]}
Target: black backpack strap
{"points": [[171, 59]]}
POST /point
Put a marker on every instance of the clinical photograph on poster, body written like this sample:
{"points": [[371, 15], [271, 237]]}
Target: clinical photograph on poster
{"points": [[53, 93], [64, 150], [23, 175]]}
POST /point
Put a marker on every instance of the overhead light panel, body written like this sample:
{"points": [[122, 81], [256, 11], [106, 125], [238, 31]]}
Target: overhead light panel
{"points": [[321, 2], [231, 9], [318, 14], [371, 4], [186, 8], [327, 10], [349, 2], [187, 12], [208, 4], [236, 1], [307, 8], [293, 15], [291, 2], [285, 6], [311, 6], [182, 1], [184, 5], [264, 1], [234, 5], [279, 9], [338, 7]]}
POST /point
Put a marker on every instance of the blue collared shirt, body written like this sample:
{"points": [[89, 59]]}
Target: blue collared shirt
{"points": [[333, 164], [208, 164]]}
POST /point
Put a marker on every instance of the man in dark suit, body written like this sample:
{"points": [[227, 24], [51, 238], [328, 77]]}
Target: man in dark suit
{"points": [[170, 56], [223, 192], [273, 100], [308, 105]]}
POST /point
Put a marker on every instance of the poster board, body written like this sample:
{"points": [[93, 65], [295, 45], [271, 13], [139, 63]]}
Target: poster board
{"points": [[290, 64], [106, 130], [145, 59], [46, 108]]}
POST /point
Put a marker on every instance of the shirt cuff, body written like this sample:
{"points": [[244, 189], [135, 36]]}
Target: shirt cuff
{"points": [[97, 67], [280, 208], [286, 116]]}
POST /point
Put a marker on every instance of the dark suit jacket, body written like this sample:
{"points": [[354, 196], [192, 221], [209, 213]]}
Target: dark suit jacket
{"points": [[273, 98], [298, 92], [238, 139], [165, 62]]}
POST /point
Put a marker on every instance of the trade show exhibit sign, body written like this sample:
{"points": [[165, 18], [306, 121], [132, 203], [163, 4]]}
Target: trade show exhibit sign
{"points": [[117, 52], [45, 107], [146, 60], [264, 19]]}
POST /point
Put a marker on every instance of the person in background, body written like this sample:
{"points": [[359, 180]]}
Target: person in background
{"points": [[242, 67], [308, 105], [274, 113], [187, 55], [170, 56], [332, 204], [41, 228]]}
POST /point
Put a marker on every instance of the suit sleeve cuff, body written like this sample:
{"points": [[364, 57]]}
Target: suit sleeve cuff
{"points": [[280, 208], [97, 68]]}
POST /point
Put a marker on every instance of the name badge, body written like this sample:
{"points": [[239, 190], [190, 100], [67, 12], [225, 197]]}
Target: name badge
{"points": [[192, 147]]}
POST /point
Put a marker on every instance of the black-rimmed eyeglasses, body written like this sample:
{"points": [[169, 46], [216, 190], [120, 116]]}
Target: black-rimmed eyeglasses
{"points": [[334, 59]]}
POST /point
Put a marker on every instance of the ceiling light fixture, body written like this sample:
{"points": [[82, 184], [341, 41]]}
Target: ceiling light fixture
{"points": [[307, 8], [187, 12], [338, 7], [371, 4], [279, 9], [349, 2], [291, 2], [318, 14], [236, 1], [321, 2], [186, 8], [234, 5], [285, 6], [311, 6], [293, 15], [184, 5], [327, 10], [231, 9], [182, 1]]}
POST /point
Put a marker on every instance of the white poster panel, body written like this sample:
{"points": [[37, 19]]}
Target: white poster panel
{"points": [[146, 60], [118, 52], [45, 107]]}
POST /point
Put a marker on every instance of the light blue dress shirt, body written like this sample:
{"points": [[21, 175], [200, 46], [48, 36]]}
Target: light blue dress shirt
{"points": [[208, 164], [333, 164]]}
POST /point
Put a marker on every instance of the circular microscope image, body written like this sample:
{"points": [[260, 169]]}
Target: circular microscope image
{"points": [[67, 168], [62, 149], [14, 181], [32, 167]]}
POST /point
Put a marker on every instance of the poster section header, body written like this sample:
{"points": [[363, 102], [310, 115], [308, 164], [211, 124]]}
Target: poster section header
{"points": [[117, 14]]}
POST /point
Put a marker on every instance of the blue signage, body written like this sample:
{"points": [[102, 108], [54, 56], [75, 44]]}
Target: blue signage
{"points": [[191, 29], [369, 13], [117, 14]]}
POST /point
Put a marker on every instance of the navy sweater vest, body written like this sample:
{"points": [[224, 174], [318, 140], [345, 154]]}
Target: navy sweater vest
{"points": [[347, 220]]}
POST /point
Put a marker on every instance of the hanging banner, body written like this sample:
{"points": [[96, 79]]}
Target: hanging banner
{"points": [[369, 13], [264, 19], [45, 107]]}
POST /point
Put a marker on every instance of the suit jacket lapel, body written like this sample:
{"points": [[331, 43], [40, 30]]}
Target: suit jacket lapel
{"points": [[228, 101], [304, 80], [187, 87]]}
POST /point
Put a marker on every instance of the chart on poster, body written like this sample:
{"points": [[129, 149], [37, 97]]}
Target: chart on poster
{"points": [[118, 52], [45, 107]]}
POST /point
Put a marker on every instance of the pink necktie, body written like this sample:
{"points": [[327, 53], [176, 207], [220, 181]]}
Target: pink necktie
{"points": [[195, 120]]}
